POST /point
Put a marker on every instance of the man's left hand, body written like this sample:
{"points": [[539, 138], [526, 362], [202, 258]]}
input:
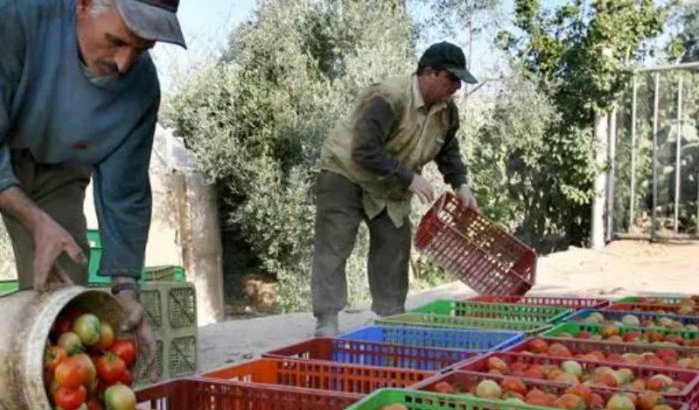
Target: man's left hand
{"points": [[466, 197], [136, 322]]}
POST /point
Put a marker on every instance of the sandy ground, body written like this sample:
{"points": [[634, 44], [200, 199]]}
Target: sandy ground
{"points": [[622, 268]]}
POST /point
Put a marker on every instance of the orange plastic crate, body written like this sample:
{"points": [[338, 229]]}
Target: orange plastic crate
{"points": [[201, 394], [689, 394], [475, 249], [319, 375], [555, 301], [467, 382]]}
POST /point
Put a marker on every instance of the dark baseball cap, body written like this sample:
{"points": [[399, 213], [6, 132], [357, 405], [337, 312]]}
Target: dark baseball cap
{"points": [[447, 56], [153, 19]]}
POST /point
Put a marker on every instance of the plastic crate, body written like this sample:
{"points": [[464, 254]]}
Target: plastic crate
{"points": [[474, 340], [170, 304], [467, 382], [200, 394], [463, 322], [581, 347], [164, 273], [501, 311], [176, 355], [689, 394], [373, 354], [654, 300], [640, 307], [422, 400], [475, 249], [7, 286], [618, 315], [573, 328], [319, 375], [564, 302]]}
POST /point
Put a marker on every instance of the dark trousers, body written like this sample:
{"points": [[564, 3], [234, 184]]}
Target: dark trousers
{"points": [[339, 211], [60, 191]]}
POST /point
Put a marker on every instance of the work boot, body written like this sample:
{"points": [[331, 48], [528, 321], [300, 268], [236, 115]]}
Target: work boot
{"points": [[327, 325]]}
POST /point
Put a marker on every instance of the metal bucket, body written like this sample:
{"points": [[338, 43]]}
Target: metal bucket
{"points": [[27, 318]]}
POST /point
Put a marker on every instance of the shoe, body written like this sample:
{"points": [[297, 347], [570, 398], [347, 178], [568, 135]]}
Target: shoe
{"points": [[327, 325]]}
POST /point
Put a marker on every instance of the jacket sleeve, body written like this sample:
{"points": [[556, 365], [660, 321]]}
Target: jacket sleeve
{"points": [[448, 159], [12, 52], [375, 121], [123, 200]]}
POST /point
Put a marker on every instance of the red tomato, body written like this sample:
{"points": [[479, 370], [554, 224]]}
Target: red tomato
{"points": [[88, 367], [127, 379], [126, 350], [54, 356], [70, 399], [71, 373], [110, 368], [94, 404], [120, 397]]}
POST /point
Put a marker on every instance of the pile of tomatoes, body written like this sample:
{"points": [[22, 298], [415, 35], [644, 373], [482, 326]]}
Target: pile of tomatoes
{"points": [[86, 367]]}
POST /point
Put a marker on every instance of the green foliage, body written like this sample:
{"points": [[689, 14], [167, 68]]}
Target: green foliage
{"points": [[257, 119]]}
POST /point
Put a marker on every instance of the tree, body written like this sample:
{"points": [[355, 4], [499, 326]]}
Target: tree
{"points": [[257, 119]]}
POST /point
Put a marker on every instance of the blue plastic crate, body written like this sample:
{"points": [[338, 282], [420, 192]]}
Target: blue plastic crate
{"points": [[367, 353], [617, 315], [480, 341]]}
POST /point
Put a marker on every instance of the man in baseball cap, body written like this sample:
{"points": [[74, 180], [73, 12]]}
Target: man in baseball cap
{"points": [[371, 167], [79, 99]]}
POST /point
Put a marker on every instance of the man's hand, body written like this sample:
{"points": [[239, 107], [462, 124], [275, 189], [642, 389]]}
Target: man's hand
{"points": [[422, 188], [466, 197], [136, 322], [50, 240]]}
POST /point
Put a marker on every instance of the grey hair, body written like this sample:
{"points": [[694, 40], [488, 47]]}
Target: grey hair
{"points": [[101, 6]]}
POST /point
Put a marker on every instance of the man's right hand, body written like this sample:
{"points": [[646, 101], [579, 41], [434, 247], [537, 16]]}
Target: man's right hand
{"points": [[50, 240], [422, 188]]}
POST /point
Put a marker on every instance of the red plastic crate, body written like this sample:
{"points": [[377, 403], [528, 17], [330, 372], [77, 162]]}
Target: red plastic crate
{"points": [[583, 346], [201, 394], [570, 303], [319, 375], [689, 394], [373, 354], [469, 380], [648, 308], [475, 249]]}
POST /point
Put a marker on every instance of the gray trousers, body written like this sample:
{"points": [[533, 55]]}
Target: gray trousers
{"points": [[339, 211], [60, 191]]}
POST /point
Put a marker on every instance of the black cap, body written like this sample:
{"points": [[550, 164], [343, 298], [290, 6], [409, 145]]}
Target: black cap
{"points": [[153, 19], [447, 56]]}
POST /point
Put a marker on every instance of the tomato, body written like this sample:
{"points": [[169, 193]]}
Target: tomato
{"points": [[120, 397], [88, 368], [54, 356], [111, 368], [71, 343], [89, 328], [64, 321], [70, 399], [71, 373], [126, 350], [106, 336]]}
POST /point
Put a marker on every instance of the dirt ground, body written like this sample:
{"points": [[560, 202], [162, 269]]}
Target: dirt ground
{"points": [[622, 268]]}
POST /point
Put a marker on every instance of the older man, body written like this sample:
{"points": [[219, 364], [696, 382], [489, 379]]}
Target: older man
{"points": [[79, 93], [371, 164]]}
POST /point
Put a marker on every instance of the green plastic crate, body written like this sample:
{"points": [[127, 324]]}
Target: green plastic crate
{"points": [[419, 400], [664, 300], [164, 273], [170, 304], [462, 322], [93, 265], [574, 328], [500, 311], [7, 286]]}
